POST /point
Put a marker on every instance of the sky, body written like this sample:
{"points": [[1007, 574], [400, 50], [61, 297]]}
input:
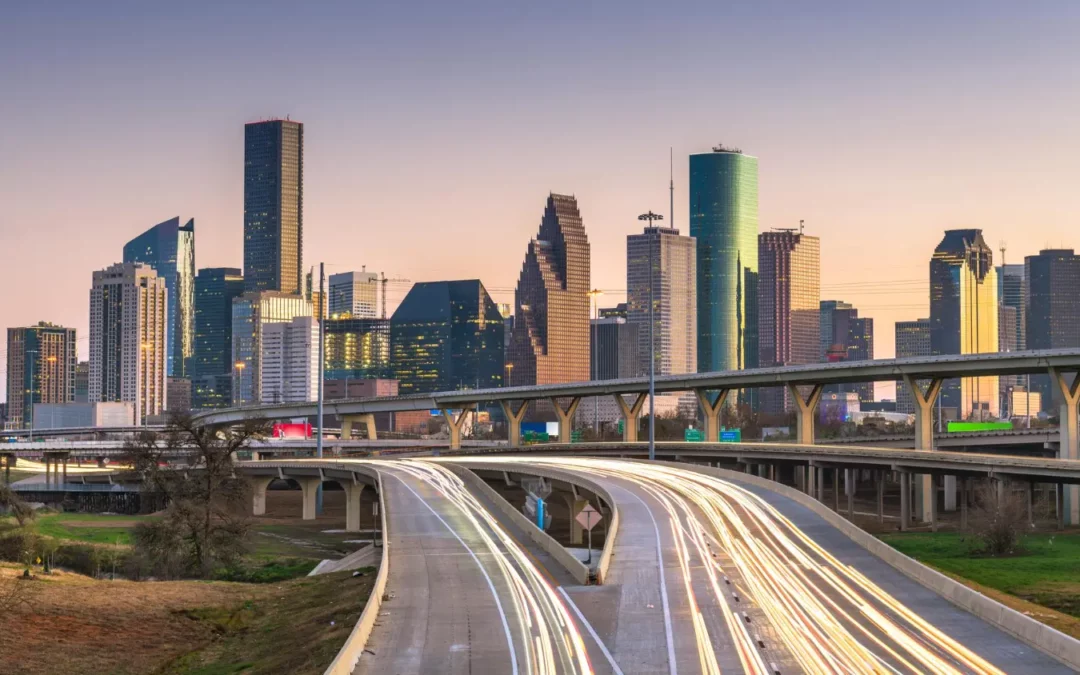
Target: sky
{"points": [[434, 132]]}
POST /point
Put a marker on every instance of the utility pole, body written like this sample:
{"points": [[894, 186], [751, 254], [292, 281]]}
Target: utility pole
{"points": [[322, 348], [595, 358], [651, 217]]}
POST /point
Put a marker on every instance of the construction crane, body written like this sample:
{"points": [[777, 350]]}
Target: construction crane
{"points": [[384, 280]]}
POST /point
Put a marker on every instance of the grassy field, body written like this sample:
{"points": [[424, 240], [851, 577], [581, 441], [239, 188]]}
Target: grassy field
{"points": [[88, 527], [1047, 572]]}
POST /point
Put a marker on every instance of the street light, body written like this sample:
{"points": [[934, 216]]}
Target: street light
{"points": [[651, 217], [594, 294]]}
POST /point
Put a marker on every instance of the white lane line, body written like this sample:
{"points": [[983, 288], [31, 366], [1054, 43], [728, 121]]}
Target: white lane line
{"points": [[672, 668], [491, 585], [588, 626]]}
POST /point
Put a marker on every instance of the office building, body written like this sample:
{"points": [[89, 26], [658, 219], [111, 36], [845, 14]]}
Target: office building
{"points": [[1012, 293], [355, 294], [69, 415], [178, 394], [289, 363], [789, 299], [357, 349], [251, 313], [724, 221], [40, 369], [1052, 311], [212, 364], [315, 296], [169, 248], [274, 206], [673, 275], [615, 349], [964, 318], [129, 338], [82, 382], [912, 339], [447, 335], [619, 311], [550, 342], [845, 336]]}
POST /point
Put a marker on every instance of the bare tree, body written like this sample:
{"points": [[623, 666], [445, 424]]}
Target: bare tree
{"points": [[15, 593], [998, 517], [206, 522], [13, 504]]}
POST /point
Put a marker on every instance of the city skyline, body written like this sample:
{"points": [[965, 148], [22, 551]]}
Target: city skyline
{"points": [[849, 185]]}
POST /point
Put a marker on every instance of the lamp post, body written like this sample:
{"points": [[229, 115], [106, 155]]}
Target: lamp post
{"points": [[651, 217], [322, 365], [595, 358], [30, 410]]}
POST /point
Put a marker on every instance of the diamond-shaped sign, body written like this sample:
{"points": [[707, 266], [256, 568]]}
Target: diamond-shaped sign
{"points": [[588, 517]]}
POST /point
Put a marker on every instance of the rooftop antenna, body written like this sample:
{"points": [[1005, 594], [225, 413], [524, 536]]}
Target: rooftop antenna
{"points": [[671, 173], [801, 221]]}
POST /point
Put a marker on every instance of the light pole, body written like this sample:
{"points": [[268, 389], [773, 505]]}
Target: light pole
{"points": [[594, 294], [651, 217], [30, 410], [322, 353]]}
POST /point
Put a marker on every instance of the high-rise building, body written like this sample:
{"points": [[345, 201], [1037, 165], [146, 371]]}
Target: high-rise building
{"points": [[619, 311], [212, 365], [82, 382], [724, 220], [274, 206], [354, 293], [615, 349], [964, 317], [251, 313], [912, 339], [673, 276], [289, 362], [169, 248], [447, 335], [846, 337], [129, 338], [40, 369], [1012, 292], [789, 314], [550, 342], [357, 349], [1052, 310], [315, 296], [178, 390]]}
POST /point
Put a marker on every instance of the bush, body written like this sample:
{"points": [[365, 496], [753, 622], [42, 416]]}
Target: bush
{"points": [[271, 572], [999, 518]]}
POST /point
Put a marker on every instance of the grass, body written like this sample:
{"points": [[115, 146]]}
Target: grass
{"points": [[1045, 573], [90, 528]]}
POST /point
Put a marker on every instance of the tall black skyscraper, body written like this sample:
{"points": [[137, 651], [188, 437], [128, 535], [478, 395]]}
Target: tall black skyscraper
{"points": [[211, 368], [1052, 310], [274, 206]]}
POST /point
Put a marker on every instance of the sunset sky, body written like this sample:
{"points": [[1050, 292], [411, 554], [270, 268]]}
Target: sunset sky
{"points": [[434, 131]]}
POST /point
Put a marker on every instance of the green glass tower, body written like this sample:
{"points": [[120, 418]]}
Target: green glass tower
{"points": [[724, 219]]}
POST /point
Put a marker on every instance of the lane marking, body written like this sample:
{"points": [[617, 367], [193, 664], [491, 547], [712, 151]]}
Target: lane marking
{"points": [[588, 626], [491, 585]]}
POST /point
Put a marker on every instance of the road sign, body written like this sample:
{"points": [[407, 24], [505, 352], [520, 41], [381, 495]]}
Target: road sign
{"points": [[588, 517], [731, 435], [693, 435]]}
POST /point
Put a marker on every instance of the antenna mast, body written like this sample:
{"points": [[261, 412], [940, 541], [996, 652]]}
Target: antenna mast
{"points": [[671, 173]]}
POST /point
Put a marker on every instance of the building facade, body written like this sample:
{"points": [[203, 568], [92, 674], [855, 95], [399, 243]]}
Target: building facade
{"points": [[550, 341], [82, 382], [447, 335], [357, 349], [41, 363], [129, 338], [912, 339], [274, 206], [615, 350], [1052, 310], [355, 294], [212, 364], [169, 248], [845, 336], [673, 275], [789, 299], [724, 221], [251, 313], [964, 318], [289, 363]]}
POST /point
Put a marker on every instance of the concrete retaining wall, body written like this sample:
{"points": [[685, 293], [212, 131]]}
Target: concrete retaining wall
{"points": [[346, 659], [1044, 638]]}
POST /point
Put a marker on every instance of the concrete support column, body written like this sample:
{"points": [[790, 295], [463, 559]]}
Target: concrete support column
{"points": [[566, 417], [309, 487], [880, 496], [1029, 489], [836, 489], [64, 480], [1059, 504], [805, 409], [513, 421], [367, 419], [905, 500], [849, 489], [45, 459], [933, 504], [965, 492], [574, 505], [352, 504], [631, 413], [1070, 438], [924, 437], [710, 410], [819, 480], [454, 423], [258, 494]]}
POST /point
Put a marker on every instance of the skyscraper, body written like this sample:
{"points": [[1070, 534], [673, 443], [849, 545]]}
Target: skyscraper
{"points": [[447, 335], [274, 206], [357, 349], [251, 313], [789, 314], [354, 293], [615, 349], [169, 248], [674, 284], [40, 369], [846, 337], [1052, 310], [724, 220], [550, 341], [212, 365], [289, 361], [912, 339], [1012, 329], [964, 317], [129, 338]]}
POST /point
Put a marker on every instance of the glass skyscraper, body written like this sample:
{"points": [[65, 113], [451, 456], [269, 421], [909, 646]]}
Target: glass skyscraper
{"points": [[251, 312], [1052, 310], [357, 349], [912, 339], [274, 206], [447, 335], [846, 337], [724, 220], [212, 366], [169, 248]]}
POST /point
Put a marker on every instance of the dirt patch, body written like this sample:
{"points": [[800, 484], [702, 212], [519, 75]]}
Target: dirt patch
{"points": [[100, 524]]}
